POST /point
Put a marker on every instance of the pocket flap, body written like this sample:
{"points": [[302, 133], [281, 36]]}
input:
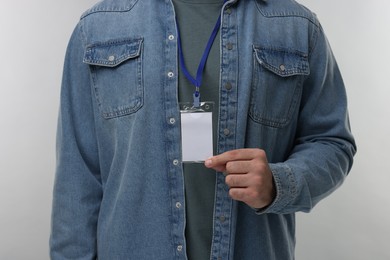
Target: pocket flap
{"points": [[283, 62], [112, 53]]}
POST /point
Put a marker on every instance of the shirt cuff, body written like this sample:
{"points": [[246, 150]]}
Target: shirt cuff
{"points": [[286, 189]]}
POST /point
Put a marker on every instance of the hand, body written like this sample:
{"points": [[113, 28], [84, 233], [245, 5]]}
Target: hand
{"points": [[248, 176]]}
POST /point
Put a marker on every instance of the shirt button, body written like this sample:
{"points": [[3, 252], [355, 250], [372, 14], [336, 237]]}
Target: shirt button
{"points": [[111, 58], [282, 67], [222, 219], [172, 120], [171, 37], [226, 132], [228, 11], [171, 74], [228, 86], [179, 248], [175, 162], [178, 205], [229, 46]]}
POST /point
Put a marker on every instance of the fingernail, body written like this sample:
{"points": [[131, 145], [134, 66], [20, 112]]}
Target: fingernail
{"points": [[208, 162]]}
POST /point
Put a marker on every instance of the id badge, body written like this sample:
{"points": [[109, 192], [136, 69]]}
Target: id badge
{"points": [[196, 131]]}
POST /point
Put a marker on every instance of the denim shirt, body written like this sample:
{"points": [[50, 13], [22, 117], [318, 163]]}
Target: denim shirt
{"points": [[119, 191]]}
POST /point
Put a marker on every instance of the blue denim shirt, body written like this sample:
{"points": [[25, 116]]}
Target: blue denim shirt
{"points": [[119, 191]]}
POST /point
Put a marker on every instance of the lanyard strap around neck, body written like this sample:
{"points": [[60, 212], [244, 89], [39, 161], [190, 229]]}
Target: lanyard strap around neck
{"points": [[197, 82]]}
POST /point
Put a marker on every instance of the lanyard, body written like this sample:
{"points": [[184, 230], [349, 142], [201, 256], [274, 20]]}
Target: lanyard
{"points": [[197, 82]]}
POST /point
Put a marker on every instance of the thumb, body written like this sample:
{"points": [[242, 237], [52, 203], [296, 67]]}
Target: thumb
{"points": [[215, 164]]}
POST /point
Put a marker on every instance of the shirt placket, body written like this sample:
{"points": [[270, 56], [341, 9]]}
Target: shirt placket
{"points": [[172, 137], [224, 219]]}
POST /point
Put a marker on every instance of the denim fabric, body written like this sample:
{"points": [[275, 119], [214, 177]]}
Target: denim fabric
{"points": [[119, 190]]}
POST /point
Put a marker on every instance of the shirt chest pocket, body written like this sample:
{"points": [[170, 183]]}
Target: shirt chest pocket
{"points": [[276, 85], [116, 68]]}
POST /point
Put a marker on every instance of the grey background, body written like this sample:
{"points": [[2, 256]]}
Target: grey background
{"points": [[353, 223]]}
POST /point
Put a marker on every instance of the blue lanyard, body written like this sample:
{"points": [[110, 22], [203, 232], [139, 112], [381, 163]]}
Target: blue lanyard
{"points": [[197, 82]]}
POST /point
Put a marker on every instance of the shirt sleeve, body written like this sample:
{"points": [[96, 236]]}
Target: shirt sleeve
{"points": [[77, 189], [324, 146]]}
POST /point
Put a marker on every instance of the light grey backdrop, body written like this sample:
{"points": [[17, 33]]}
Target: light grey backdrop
{"points": [[353, 223]]}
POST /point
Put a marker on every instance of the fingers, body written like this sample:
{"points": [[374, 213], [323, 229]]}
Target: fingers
{"points": [[252, 178], [238, 180], [237, 167], [248, 196], [248, 175], [254, 190], [219, 162]]}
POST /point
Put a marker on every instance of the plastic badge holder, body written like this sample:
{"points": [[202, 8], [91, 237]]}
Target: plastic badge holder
{"points": [[196, 131]]}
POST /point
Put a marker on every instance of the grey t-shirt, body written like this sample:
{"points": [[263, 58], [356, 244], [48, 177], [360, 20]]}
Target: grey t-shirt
{"points": [[196, 19]]}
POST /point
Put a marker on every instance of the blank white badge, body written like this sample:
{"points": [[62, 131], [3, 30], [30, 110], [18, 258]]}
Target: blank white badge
{"points": [[196, 136]]}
